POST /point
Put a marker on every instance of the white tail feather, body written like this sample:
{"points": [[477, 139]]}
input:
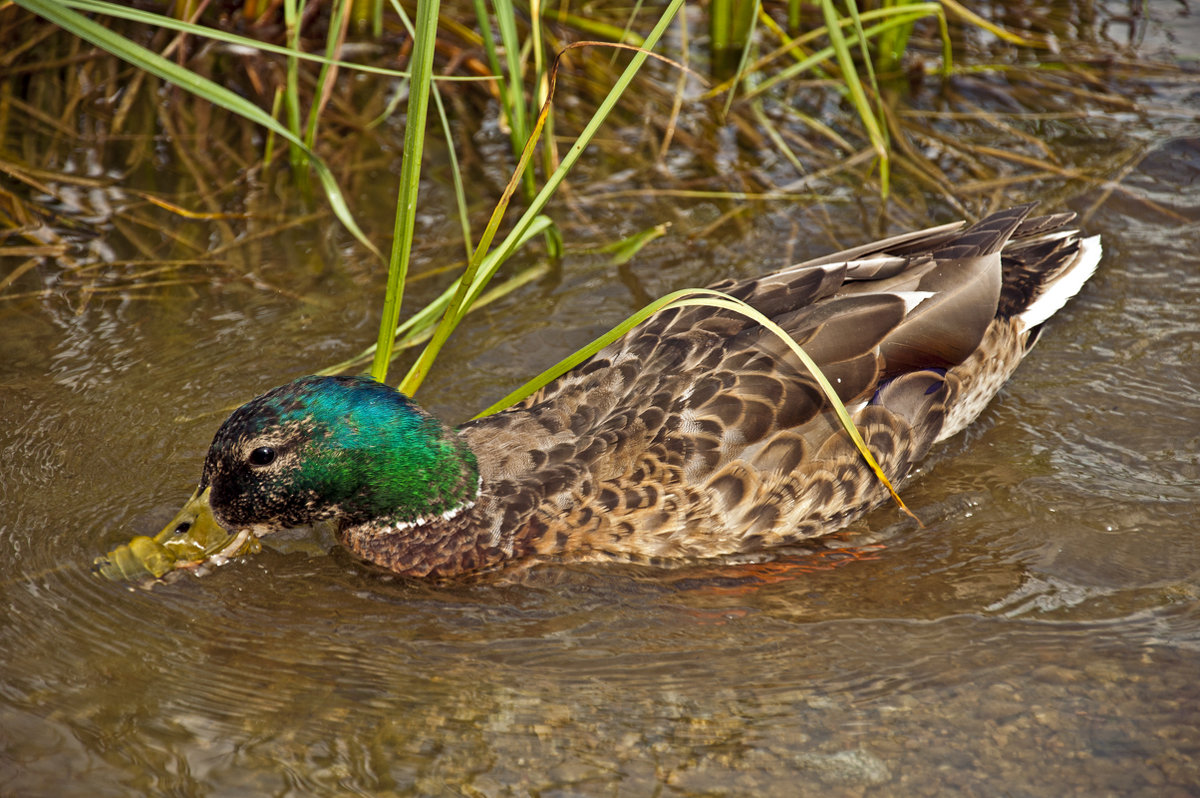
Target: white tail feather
{"points": [[1065, 286]]}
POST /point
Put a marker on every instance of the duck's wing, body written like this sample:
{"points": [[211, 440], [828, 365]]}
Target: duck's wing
{"points": [[701, 416], [914, 301]]}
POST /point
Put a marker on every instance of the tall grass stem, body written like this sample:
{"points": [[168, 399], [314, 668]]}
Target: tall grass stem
{"points": [[421, 68], [476, 279]]}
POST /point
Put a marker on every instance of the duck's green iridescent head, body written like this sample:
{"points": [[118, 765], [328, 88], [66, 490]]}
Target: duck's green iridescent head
{"points": [[320, 447], [325, 447]]}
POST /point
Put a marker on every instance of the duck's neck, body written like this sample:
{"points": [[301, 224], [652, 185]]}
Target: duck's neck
{"points": [[413, 476], [449, 544], [412, 513]]}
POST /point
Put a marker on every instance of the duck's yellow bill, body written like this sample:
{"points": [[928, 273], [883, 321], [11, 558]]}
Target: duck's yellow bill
{"points": [[192, 538]]}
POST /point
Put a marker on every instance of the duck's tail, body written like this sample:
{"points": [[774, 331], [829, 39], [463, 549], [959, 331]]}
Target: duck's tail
{"points": [[1055, 292], [1045, 263]]}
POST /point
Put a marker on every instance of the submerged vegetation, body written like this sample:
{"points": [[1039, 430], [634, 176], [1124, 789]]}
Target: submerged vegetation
{"points": [[742, 103]]}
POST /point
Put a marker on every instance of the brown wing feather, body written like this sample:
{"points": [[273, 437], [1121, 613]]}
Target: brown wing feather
{"points": [[699, 433]]}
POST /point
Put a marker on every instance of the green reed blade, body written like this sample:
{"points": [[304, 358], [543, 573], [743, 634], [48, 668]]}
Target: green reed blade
{"points": [[421, 66], [477, 277], [854, 85], [891, 17]]}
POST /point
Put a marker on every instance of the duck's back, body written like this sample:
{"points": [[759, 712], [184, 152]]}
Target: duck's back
{"points": [[699, 433]]}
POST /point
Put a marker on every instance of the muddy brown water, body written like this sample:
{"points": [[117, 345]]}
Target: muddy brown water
{"points": [[1041, 636]]}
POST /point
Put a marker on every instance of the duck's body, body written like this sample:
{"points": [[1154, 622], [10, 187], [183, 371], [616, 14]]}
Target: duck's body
{"points": [[698, 434]]}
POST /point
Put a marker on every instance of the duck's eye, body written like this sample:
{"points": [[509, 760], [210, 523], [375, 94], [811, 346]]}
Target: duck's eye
{"points": [[263, 455]]}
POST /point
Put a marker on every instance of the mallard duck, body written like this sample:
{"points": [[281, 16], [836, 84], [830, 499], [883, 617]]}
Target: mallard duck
{"points": [[696, 435]]}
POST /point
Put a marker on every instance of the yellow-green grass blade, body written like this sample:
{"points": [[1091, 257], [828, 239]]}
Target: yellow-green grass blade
{"points": [[709, 298], [476, 277], [421, 65], [891, 46], [416, 326], [419, 333], [854, 87], [731, 303], [603, 29], [456, 178], [746, 21], [627, 248], [577, 357], [291, 94], [489, 48]]}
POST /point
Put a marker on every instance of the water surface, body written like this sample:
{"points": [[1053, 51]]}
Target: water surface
{"points": [[1040, 636]]}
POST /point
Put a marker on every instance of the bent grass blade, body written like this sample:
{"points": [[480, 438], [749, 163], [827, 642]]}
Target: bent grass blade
{"points": [[716, 299]]}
